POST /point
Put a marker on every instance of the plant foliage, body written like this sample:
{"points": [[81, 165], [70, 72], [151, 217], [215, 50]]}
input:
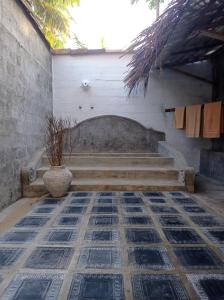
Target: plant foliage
{"points": [[54, 19], [153, 4]]}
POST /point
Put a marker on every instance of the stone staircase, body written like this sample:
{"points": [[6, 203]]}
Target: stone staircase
{"points": [[111, 171]]}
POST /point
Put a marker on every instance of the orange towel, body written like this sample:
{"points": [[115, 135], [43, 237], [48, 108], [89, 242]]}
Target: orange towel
{"points": [[193, 120], [222, 119], [212, 120], [180, 117]]}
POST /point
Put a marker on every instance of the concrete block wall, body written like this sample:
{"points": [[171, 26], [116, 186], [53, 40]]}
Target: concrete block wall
{"points": [[212, 164], [25, 96], [107, 96]]}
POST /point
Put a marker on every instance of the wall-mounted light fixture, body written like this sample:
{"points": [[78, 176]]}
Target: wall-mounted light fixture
{"points": [[85, 84]]}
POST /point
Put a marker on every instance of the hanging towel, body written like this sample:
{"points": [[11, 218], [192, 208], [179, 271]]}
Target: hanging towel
{"points": [[222, 119], [212, 120], [193, 120], [180, 117]]}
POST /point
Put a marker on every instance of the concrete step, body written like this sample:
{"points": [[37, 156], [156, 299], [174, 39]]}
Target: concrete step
{"points": [[37, 188], [131, 172], [115, 161], [116, 154]]}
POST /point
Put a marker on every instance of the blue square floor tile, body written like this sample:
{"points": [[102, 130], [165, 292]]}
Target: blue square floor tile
{"points": [[149, 258], [208, 286], [9, 256], [97, 287], [145, 236], [28, 286], [158, 287], [18, 237], [60, 236], [100, 258], [50, 258], [198, 258], [32, 221]]}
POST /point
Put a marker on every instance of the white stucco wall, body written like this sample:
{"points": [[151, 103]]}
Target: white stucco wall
{"points": [[107, 96]]}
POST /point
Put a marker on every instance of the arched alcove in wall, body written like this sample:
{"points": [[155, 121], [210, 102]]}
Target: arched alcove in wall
{"points": [[114, 134]]}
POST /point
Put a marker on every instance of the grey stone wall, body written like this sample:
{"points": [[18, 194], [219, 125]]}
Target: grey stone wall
{"points": [[212, 160], [114, 134], [25, 96], [218, 94], [212, 164]]}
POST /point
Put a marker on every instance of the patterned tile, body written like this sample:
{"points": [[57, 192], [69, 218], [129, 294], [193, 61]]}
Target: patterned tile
{"points": [[52, 201], [18, 237], [60, 236], [177, 194], [81, 194], [149, 258], [106, 194], [132, 201], [67, 221], [183, 236], [105, 201], [161, 209], [32, 221], [184, 200], [104, 209], [100, 247], [103, 220], [82, 201], [133, 209], [102, 236], [43, 210], [156, 200], [154, 287], [169, 221], [153, 194], [130, 194], [99, 258], [96, 287], [142, 236], [194, 209], [206, 221], [34, 287], [208, 286], [74, 210], [199, 258], [215, 235], [50, 258], [138, 220], [8, 256]]}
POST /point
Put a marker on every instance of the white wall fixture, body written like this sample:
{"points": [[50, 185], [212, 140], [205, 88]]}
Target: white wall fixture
{"points": [[85, 84]]}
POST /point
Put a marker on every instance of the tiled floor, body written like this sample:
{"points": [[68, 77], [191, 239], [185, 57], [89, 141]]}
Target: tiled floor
{"points": [[113, 246]]}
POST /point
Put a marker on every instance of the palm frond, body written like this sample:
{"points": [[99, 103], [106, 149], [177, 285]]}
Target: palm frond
{"points": [[54, 19]]}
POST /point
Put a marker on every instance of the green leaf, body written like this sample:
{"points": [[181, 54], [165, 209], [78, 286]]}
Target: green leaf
{"points": [[54, 19]]}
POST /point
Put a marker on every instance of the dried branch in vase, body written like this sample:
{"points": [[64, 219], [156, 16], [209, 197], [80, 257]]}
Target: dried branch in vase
{"points": [[57, 133]]}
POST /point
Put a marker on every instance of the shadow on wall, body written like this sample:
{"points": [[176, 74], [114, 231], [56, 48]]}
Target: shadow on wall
{"points": [[114, 134]]}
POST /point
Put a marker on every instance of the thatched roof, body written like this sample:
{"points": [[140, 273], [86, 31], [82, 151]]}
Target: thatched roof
{"points": [[185, 33]]}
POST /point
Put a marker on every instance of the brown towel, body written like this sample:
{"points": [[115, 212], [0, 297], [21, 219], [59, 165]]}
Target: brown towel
{"points": [[193, 120], [222, 119], [180, 117], [212, 120]]}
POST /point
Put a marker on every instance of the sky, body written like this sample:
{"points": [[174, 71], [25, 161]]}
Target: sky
{"points": [[117, 21]]}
